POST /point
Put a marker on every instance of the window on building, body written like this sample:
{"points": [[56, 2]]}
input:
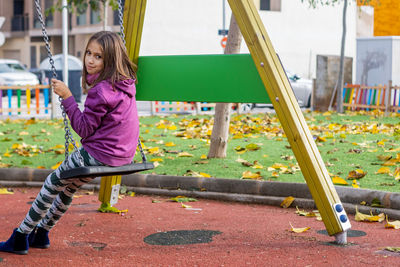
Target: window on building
{"points": [[81, 19], [270, 5], [49, 18], [94, 16], [33, 57], [116, 13]]}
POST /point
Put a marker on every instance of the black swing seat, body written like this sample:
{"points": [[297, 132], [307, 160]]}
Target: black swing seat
{"points": [[97, 171]]}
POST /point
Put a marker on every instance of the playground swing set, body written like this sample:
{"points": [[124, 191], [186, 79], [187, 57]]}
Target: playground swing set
{"points": [[255, 78]]}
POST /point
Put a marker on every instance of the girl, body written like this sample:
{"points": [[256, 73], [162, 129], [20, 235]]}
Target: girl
{"points": [[108, 126]]}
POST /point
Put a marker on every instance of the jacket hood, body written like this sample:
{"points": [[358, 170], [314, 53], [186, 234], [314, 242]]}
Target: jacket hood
{"points": [[127, 86]]}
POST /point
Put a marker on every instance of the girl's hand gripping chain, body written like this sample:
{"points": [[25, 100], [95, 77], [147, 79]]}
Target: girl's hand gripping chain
{"points": [[60, 88]]}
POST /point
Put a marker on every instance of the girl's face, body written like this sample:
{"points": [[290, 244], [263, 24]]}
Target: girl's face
{"points": [[94, 58]]}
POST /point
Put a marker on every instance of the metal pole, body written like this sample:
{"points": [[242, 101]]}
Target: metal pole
{"points": [[223, 14], [105, 4], [65, 40]]}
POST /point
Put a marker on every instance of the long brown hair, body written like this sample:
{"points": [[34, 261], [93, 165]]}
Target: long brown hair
{"points": [[117, 65]]}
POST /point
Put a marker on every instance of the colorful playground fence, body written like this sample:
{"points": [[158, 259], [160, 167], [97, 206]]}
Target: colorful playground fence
{"points": [[35, 101], [382, 97]]}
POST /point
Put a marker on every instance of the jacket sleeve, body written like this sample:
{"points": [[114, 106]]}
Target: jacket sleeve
{"points": [[86, 123]]}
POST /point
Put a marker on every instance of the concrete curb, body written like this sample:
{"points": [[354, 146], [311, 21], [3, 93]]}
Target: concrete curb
{"points": [[248, 191]]}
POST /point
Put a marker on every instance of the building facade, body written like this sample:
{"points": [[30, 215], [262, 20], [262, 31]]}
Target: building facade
{"points": [[23, 33], [297, 31]]}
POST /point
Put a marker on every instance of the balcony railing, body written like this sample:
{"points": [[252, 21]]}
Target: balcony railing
{"points": [[20, 23]]}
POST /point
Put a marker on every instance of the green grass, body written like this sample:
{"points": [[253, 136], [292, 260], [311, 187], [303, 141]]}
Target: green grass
{"points": [[346, 143]]}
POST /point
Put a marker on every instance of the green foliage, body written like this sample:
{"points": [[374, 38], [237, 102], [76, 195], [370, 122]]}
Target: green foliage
{"points": [[315, 3], [80, 6]]}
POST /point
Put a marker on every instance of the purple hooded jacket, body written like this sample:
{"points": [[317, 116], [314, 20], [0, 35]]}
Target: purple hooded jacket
{"points": [[109, 123]]}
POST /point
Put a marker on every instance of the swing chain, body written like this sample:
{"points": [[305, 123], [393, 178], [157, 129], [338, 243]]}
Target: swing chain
{"points": [[121, 25], [121, 20], [68, 134]]}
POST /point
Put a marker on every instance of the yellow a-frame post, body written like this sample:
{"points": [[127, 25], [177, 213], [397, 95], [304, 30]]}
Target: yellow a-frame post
{"points": [[287, 109], [293, 123]]}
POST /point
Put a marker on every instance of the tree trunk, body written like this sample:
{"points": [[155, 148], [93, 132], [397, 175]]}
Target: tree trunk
{"points": [[220, 132], [339, 85]]}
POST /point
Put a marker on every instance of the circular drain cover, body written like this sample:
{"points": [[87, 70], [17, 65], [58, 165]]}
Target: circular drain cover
{"points": [[182, 237], [350, 233]]}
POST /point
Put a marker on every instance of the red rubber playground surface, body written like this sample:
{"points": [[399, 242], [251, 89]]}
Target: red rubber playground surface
{"points": [[243, 234]]}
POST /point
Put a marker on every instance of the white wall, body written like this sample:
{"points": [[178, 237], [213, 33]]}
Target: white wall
{"points": [[298, 32]]}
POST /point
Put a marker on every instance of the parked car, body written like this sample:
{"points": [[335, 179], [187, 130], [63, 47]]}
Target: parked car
{"points": [[13, 72], [302, 89]]}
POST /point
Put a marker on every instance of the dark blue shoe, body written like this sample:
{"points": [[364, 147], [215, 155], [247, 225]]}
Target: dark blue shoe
{"points": [[17, 243], [39, 238]]}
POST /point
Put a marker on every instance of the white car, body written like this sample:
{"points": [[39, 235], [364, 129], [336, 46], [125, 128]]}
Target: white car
{"points": [[12, 72], [302, 89]]}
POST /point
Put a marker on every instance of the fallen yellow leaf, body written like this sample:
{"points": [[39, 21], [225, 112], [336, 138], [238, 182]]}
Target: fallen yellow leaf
{"points": [[299, 230], [356, 174], [383, 170], [184, 154], [253, 147], [361, 217], [56, 166], [156, 159], [394, 224], [251, 175], [355, 184], [339, 181], [170, 144], [4, 191], [287, 202]]}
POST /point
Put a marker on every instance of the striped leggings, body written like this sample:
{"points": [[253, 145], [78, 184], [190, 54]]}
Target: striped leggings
{"points": [[56, 195]]}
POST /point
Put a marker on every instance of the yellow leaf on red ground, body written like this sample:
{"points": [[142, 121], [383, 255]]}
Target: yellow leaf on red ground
{"points": [[299, 230], [287, 202], [338, 180], [356, 174], [394, 224], [186, 206], [314, 213], [251, 175], [392, 249], [4, 191], [361, 217]]}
